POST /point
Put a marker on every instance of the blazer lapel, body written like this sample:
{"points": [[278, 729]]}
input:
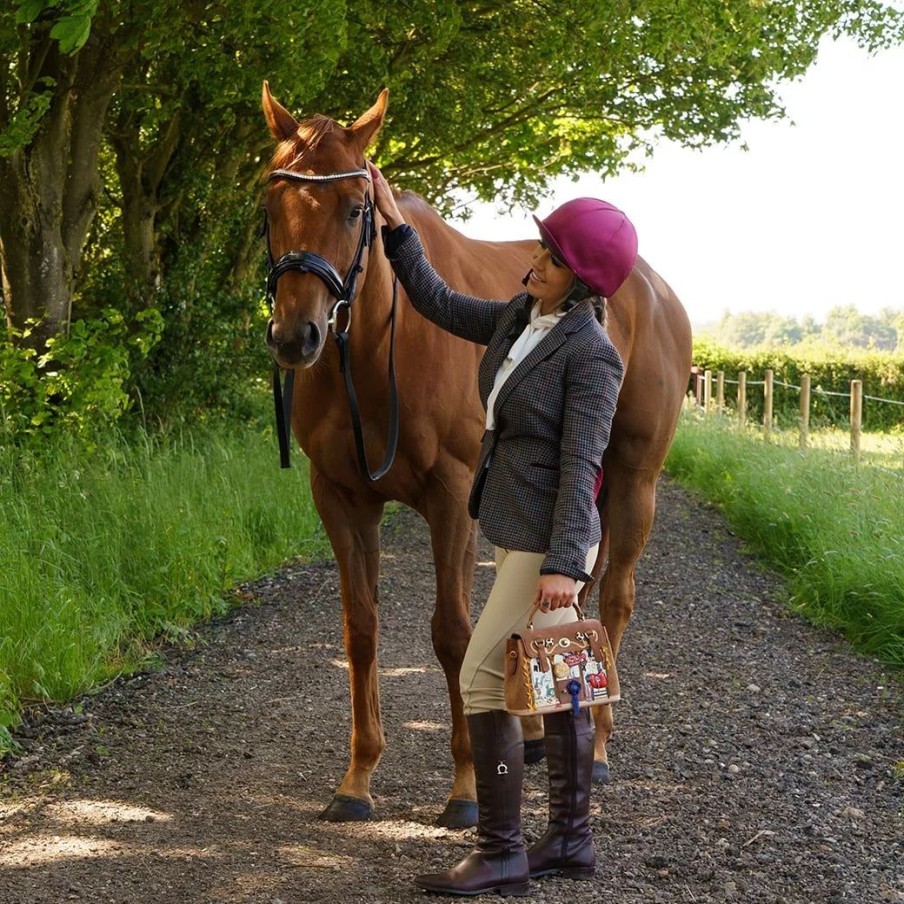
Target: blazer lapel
{"points": [[572, 321]]}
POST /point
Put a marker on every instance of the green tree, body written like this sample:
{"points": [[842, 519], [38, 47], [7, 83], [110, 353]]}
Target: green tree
{"points": [[171, 87], [131, 137], [499, 97], [892, 319], [782, 330], [185, 125], [852, 329], [810, 327], [899, 329], [743, 330]]}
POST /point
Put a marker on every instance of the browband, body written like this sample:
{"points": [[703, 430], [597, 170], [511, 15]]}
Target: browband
{"points": [[314, 177]]}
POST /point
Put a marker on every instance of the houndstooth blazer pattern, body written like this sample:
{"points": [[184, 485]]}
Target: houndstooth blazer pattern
{"points": [[534, 482]]}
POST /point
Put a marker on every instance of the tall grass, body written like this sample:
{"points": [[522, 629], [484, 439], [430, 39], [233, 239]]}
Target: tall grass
{"points": [[835, 531], [100, 555]]}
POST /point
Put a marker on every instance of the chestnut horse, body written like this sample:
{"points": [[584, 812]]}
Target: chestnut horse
{"points": [[441, 416]]}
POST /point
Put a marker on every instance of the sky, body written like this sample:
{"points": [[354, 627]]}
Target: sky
{"points": [[810, 217]]}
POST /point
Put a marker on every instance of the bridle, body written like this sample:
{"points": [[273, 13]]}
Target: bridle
{"points": [[343, 290]]}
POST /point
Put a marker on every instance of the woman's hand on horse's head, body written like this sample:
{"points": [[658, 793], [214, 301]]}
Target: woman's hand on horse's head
{"points": [[384, 199], [555, 591]]}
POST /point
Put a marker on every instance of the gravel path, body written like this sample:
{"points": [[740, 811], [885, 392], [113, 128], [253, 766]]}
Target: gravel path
{"points": [[756, 759]]}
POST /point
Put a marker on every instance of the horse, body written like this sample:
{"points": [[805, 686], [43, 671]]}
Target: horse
{"points": [[320, 225]]}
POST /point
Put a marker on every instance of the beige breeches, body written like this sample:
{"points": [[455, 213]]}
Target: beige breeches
{"points": [[507, 610]]}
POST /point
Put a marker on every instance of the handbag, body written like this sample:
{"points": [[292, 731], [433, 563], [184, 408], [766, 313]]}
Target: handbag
{"points": [[549, 670]]}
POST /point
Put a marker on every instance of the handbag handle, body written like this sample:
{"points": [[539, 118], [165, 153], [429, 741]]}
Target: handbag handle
{"points": [[536, 609]]}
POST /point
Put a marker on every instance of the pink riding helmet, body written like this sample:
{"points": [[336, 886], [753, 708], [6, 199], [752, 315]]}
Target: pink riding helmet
{"points": [[594, 239]]}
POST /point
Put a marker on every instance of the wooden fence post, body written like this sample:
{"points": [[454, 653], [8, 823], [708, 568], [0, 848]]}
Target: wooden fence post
{"points": [[804, 410], [707, 391], [720, 392], [767, 403], [742, 398], [856, 417]]}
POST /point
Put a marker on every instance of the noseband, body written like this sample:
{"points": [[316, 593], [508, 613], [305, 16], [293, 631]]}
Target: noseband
{"points": [[343, 290]]}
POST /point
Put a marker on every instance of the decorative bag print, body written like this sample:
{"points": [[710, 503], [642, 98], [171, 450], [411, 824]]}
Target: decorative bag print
{"points": [[552, 669]]}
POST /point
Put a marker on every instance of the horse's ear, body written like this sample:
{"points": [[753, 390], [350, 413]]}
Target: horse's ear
{"points": [[366, 126], [282, 123]]}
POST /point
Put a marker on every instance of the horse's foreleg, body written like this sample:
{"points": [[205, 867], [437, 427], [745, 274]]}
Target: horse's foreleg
{"points": [[628, 511], [354, 534], [453, 537]]}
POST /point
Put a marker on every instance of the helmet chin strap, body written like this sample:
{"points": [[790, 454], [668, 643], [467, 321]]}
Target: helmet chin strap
{"points": [[579, 291]]}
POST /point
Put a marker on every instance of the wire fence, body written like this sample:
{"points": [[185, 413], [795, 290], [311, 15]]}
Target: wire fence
{"points": [[883, 450]]}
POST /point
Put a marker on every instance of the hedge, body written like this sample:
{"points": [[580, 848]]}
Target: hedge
{"points": [[830, 370]]}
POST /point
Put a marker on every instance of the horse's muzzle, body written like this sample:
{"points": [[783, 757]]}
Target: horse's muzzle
{"points": [[298, 347]]}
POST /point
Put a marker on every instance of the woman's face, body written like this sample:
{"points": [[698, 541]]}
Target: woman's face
{"points": [[550, 280]]}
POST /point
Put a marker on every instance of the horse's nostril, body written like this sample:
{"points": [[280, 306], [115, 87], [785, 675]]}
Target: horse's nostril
{"points": [[272, 338], [311, 338]]}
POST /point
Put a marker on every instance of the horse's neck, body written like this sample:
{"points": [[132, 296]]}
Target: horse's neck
{"points": [[376, 292], [372, 308]]}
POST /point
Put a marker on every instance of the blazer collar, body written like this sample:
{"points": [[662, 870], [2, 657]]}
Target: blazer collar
{"points": [[578, 316]]}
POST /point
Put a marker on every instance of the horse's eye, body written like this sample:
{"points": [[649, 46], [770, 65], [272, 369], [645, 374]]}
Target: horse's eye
{"points": [[356, 212]]}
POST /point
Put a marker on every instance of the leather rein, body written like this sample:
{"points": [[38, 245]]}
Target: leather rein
{"points": [[343, 290]]}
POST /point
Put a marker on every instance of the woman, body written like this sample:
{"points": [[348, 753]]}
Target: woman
{"points": [[549, 381]]}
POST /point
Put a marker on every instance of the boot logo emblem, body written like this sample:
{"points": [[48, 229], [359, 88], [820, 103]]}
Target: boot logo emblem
{"points": [[501, 769]]}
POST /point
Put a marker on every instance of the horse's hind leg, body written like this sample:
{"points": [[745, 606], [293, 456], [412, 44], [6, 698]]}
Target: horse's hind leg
{"points": [[628, 512], [453, 537], [354, 532]]}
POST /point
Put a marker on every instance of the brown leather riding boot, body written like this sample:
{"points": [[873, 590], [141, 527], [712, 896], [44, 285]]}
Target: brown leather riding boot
{"points": [[566, 848], [498, 863]]}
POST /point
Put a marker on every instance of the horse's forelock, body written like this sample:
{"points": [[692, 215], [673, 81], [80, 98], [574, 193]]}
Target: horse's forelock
{"points": [[313, 130], [311, 133]]}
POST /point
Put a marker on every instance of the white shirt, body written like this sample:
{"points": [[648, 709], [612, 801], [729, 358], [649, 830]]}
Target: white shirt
{"points": [[536, 329]]}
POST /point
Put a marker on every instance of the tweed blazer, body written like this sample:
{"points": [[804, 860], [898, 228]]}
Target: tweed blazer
{"points": [[534, 483]]}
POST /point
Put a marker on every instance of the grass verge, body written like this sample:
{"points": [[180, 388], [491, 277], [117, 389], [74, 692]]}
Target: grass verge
{"points": [[100, 555], [834, 530]]}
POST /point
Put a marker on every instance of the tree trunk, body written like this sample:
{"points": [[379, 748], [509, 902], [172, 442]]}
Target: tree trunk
{"points": [[142, 172], [38, 269], [48, 188]]}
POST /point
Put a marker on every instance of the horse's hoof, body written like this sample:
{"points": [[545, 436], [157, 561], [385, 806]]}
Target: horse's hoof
{"points": [[459, 814], [343, 808], [534, 751], [601, 773]]}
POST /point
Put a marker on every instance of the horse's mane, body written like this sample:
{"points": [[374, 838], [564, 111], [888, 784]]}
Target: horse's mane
{"points": [[423, 216], [412, 202]]}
